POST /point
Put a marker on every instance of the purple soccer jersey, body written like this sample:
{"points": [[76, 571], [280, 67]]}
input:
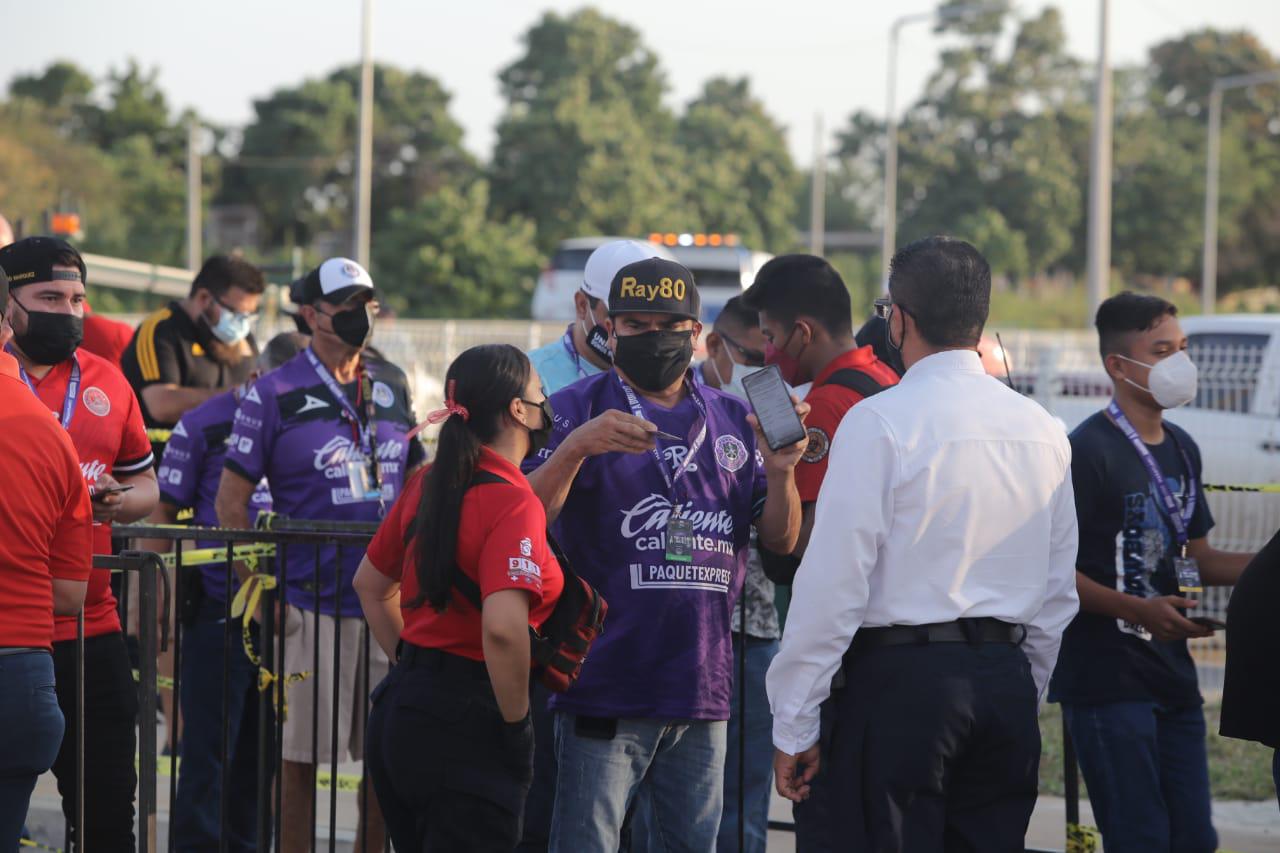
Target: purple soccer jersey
{"points": [[191, 469], [291, 429], [666, 651]]}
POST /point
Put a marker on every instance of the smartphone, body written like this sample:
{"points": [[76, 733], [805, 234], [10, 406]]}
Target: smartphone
{"points": [[770, 399], [99, 494], [1209, 622]]}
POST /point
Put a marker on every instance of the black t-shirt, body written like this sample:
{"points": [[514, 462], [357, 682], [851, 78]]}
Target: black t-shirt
{"points": [[1251, 689], [1127, 543], [168, 348]]}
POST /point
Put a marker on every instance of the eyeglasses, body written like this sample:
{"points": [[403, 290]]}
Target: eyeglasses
{"points": [[750, 357], [239, 315]]}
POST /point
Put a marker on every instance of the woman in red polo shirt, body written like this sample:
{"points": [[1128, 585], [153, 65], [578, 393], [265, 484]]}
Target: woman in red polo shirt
{"points": [[450, 745]]}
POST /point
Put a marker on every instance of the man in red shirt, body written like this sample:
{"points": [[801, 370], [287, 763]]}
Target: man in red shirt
{"points": [[95, 405], [807, 321], [45, 535]]}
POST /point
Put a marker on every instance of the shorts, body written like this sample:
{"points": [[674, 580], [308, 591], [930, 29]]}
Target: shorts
{"points": [[353, 692]]}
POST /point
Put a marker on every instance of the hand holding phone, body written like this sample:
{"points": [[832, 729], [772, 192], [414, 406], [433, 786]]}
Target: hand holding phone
{"points": [[771, 402], [1209, 622], [99, 494]]}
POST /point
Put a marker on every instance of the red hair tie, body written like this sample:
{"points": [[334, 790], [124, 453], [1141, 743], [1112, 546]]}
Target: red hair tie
{"points": [[451, 407]]}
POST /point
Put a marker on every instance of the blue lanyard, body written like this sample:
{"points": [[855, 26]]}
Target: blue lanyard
{"points": [[1180, 518], [634, 402], [73, 390], [367, 430], [574, 356]]}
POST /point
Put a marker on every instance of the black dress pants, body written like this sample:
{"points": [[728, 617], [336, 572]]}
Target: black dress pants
{"points": [[110, 741], [450, 775], [934, 748]]}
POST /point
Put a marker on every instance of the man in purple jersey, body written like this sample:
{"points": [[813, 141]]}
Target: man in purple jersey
{"points": [[661, 528], [329, 431], [190, 471]]}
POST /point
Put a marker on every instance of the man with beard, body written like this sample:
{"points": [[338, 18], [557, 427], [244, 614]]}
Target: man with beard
{"points": [[196, 347]]}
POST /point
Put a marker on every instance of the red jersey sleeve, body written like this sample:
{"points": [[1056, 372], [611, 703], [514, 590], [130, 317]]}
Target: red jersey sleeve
{"points": [[515, 549], [134, 455], [71, 551], [388, 549], [825, 415]]}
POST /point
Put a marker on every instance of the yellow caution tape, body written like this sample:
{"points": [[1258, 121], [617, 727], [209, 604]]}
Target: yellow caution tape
{"points": [[36, 845], [243, 606], [1082, 839], [163, 682], [1252, 488], [159, 436], [186, 514], [248, 554], [346, 781]]}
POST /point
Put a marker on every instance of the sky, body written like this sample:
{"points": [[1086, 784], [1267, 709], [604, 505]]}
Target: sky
{"points": [[805, 58]]}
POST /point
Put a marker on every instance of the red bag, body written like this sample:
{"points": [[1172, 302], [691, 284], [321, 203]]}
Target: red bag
{"points": [[559, 650]]}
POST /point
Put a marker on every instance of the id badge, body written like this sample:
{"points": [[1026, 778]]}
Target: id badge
{"points": [[361, 481], [1188, 571], [680, 540]]}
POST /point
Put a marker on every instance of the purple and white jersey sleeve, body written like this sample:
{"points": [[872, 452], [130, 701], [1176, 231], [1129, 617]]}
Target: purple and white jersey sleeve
{"points": [[253, 433], [179, 474]]}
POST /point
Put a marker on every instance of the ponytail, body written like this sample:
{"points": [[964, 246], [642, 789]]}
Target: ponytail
{"points": [[482, 381]]}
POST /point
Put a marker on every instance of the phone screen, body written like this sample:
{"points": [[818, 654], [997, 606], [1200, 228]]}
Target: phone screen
{"points": [[771, 401]]}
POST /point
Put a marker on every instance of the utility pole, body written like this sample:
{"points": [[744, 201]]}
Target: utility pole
{"points": [[818, 191], [364, 165], [1099, 245], [889, 234], [194, 206], [1209, 255]]}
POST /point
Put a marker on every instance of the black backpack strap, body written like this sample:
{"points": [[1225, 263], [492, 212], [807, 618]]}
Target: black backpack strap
{"points": [[858, 381], [461, 582]]}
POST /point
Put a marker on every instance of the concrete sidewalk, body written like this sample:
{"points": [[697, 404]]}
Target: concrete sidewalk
{"points": [[1243, 827]]}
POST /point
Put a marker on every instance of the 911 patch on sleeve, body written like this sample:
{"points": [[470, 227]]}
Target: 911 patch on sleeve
{"points": [[818, 447], [524, 569]]}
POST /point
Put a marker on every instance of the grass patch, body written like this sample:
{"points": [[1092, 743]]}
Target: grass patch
{"points": [[1060, 308], [1238, 769]]}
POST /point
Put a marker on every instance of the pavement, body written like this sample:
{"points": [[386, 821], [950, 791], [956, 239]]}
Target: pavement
{"points": [[1243, 827]]}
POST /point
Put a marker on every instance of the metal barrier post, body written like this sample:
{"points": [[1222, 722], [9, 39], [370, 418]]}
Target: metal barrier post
{"points": [[265, 722], [1070, 781], [78, 830], [149, 566]]}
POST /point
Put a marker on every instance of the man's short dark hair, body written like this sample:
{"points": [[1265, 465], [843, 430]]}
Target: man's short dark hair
{"points": [[736, 316], [281, 349], [945, 285], [1126, 313], [792, 286], [222, 272]]}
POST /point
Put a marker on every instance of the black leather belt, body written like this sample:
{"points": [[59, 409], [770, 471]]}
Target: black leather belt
{"points": [[417, 657], [973, 631]]}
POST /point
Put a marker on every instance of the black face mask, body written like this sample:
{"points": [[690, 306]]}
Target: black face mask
{"points": [[50, 338], [354, 326], [598, 340], [539, 437], [655, 360]]}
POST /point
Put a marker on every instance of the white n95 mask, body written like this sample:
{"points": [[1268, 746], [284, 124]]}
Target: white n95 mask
{"points": [[1173, 381], [734, 384]]}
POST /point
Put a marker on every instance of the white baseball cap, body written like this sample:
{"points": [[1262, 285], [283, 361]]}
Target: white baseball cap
{"points": [[606, 260], [335, 281]]}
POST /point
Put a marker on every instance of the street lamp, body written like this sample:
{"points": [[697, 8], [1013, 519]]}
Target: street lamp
{"points": [[1209, 270], [364, 139], [888, 240]]}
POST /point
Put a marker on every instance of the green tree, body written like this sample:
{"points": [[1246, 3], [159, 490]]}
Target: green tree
{"points": [[741, 176], [585, 145], [298, 156], [443, 257]]}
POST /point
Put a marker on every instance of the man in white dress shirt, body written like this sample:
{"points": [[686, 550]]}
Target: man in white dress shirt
{"points": [[940, 576]]}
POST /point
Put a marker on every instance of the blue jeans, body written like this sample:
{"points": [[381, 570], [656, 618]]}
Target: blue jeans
{"points": [[31, 726], [758, 773], [196, 824], [1147, 771], [677, 766]]}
